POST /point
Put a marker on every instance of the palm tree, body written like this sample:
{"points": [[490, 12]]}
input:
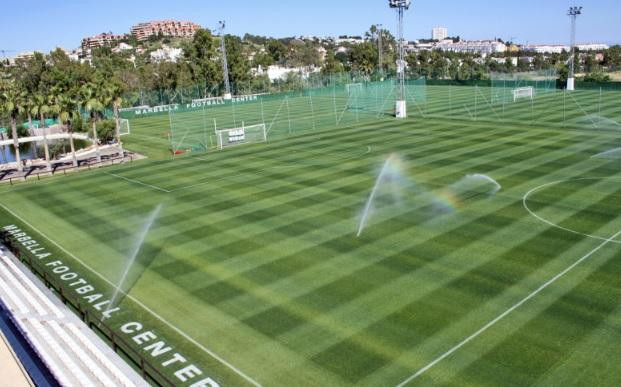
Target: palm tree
{"points": [[114, 91], [40, 106], [13, 100], [92, 97], [66, 107]]}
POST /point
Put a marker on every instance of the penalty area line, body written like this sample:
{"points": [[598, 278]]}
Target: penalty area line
{"points": [[154, 314], [507, 312]]}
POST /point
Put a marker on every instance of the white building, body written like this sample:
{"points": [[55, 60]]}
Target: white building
{"points": [[350, 40], [592, 47], [514, 61], [122, 47], [483, 47], [276, 72], [546, 48], [166, 54], [24, 56], [424, 46], [439, 33]]}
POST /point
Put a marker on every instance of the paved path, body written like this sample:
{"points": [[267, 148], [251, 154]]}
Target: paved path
{"points": [[12, 374]]}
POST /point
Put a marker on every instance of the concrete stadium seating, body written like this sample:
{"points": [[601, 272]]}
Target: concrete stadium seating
{"points": [[64, 343]]}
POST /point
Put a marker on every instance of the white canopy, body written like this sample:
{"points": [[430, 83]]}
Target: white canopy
{"points": [[55, 136]]}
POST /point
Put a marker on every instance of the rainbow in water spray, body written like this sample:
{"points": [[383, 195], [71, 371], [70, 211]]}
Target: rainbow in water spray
{"points": [[391, 181]]}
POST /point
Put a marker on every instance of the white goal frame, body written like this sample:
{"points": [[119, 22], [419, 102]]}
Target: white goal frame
{"points": [[354, 92], [523, 92], [354, 86], [239, 135], [124, 123]]}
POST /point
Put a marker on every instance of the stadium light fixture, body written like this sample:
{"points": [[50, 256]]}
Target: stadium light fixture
{"points": [[401, 6], [225, 64], [573, 13]]}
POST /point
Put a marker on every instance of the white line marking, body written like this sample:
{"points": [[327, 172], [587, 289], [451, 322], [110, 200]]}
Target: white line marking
{"points": [[138, 182], [157, 316], [549, 223], [606, 153], [508, 311]]}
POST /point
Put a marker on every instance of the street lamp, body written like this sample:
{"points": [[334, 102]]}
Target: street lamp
{"points": [[573, 13], [401, 6]]}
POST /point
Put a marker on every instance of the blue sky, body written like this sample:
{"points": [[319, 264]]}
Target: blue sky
{"points": [[43, 24]]}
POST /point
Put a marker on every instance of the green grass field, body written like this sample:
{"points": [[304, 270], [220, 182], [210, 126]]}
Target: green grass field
{"points": [[255, 258]]}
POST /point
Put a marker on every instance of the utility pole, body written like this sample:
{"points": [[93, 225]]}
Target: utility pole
{"points": [[401, 6], [573, 14], [225, 64]]}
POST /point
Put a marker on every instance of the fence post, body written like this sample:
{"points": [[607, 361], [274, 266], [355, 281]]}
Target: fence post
{"points": [[288, 113], [450, 98], [564, 96], [336, 118], [234, 117], [476, 87], [262, 112], [310, 95]]}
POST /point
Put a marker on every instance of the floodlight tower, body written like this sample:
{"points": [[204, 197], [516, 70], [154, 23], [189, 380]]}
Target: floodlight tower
{"points": [[225, 64], [401, 6], [573, 14]]}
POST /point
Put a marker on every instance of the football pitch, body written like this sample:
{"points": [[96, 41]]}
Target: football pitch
{"points": [[254, 269]]}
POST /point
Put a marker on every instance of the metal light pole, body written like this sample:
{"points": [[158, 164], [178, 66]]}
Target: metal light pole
{"points": [[379, 50], [573, 14], [225, 64], [401, 6]]}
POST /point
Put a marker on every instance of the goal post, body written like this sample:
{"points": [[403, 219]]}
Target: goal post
{"points": [[353, 87], [354, 96], [242, 135], [124, 127], [523, 92]]}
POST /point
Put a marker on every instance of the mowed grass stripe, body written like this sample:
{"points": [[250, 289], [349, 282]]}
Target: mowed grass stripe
{"points": [[535, 306], [327, 204]]}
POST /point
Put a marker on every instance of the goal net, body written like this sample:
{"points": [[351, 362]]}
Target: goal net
{"points": [[242, 135], [505, 86], [523, 92], [124, 127], [354, 96]]}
